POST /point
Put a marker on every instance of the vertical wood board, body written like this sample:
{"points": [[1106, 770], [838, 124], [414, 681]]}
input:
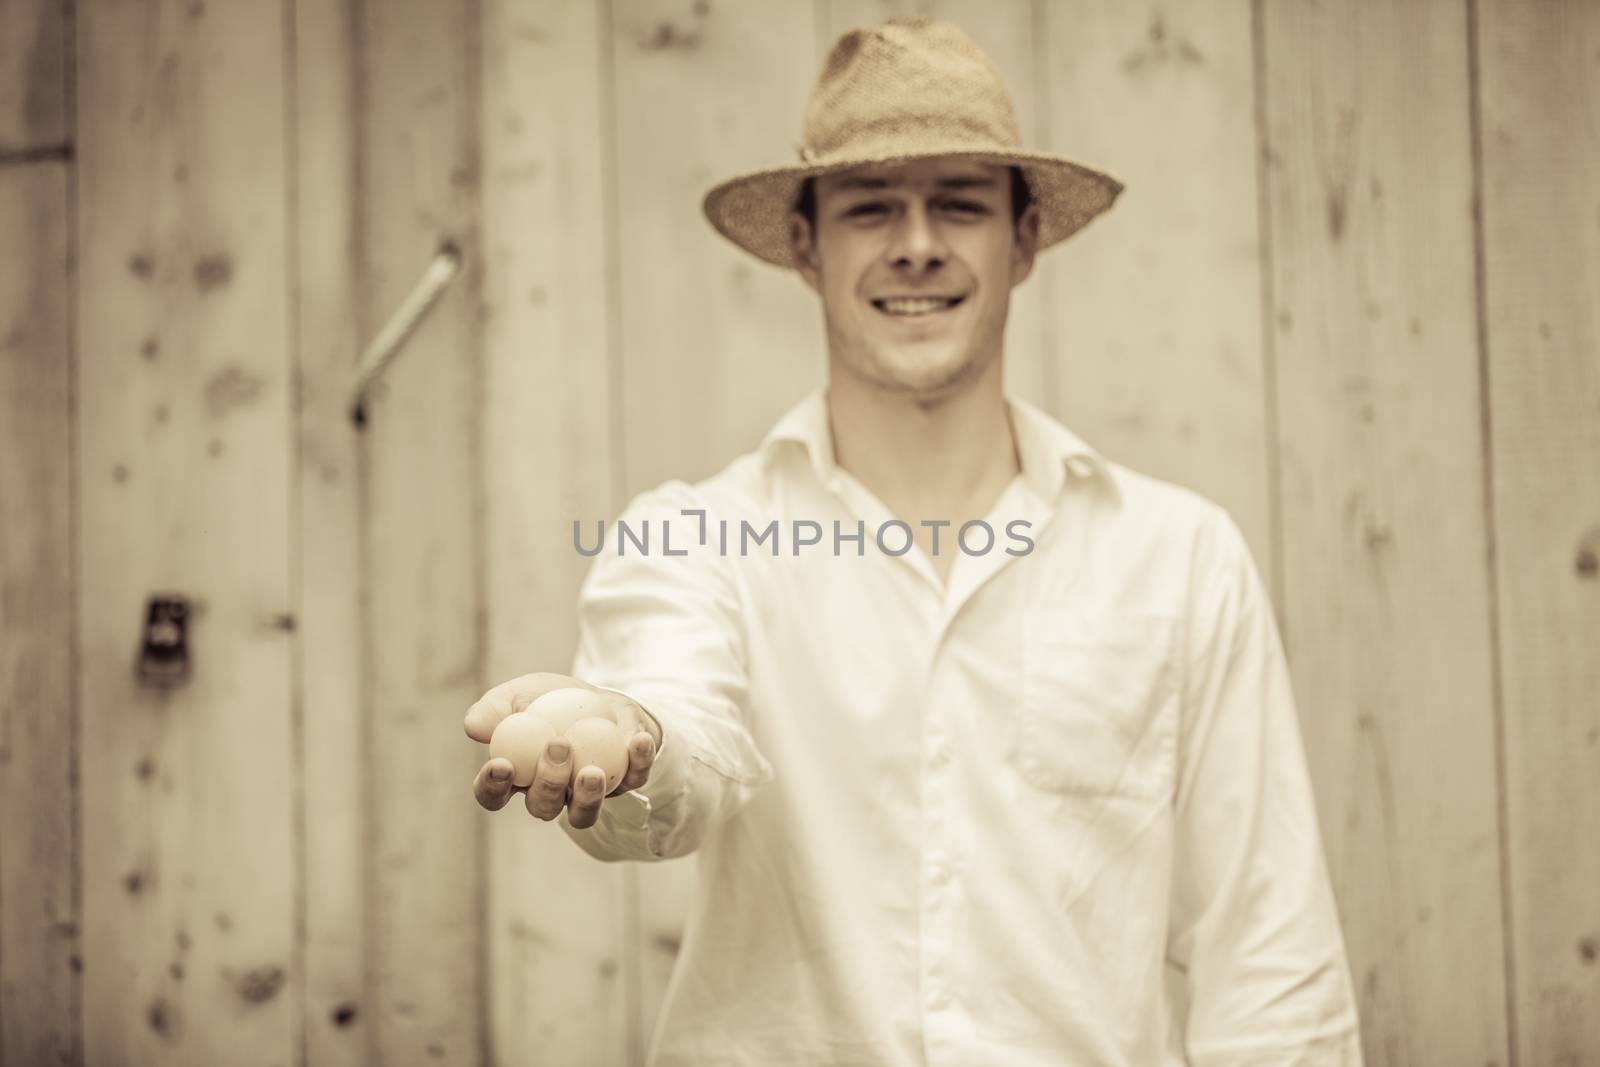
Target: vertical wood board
{"points": [[1369, 190], [1539, 108], [183, 448]]}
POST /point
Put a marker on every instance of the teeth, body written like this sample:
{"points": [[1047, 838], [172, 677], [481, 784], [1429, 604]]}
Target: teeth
{"points": [[921, 306]]}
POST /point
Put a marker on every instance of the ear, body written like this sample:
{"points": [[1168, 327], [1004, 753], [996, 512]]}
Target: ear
{"points": [[1025, 244], [802, 243]]}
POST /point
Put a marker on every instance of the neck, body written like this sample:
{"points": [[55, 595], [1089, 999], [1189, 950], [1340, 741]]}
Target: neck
{"points": [[926, 458]]}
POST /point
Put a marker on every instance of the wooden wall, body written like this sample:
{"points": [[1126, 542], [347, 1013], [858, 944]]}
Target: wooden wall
{"points": [[1350, 293]]}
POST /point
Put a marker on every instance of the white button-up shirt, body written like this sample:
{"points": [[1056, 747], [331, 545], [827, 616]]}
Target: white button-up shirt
{"points": [[1056, 813]]}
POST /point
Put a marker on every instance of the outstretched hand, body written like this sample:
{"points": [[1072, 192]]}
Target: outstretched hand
{"points": [[556, 783]]}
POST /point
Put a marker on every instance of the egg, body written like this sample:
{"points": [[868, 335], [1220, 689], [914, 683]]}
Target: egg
{"points": [[563, 707], [521, 738], [598, 742]]}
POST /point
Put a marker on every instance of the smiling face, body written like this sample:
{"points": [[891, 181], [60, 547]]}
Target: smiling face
{"points": [[915, 264]]}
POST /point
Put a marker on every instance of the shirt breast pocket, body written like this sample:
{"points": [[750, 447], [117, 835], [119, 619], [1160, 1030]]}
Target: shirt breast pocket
{"points": [[1098, 715]]}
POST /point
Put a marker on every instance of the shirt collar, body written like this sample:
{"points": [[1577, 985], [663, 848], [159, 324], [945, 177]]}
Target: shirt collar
{"points": [[1047, 450]]}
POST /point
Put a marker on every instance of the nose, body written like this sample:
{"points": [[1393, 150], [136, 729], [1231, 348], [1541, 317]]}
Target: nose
{"points": [[914, 240]]}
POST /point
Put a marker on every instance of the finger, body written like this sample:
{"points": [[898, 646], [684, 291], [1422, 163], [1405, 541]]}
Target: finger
{"points": [[587, 794], [641, 757], [631, 719], [493, 787], [548, 793], [513, 696]]}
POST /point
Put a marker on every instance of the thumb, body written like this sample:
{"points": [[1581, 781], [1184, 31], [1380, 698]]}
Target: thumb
{"points": [[633, 718]]}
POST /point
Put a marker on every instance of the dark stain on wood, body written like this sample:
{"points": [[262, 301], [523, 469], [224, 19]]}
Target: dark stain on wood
{"points": [[15, 339], [119, 473], [75, 962], [668, 943], [345, 1015], [161, 414], [1336, 213], [224, 922], [436, 1050], [183, 941], [149, 347], [1157, 51], [197, 9], [406, 1008], [232, 387], [1589, 950], [141, 265], [285, 621], [145, 769], [261, 984], [1588, 561], [212, 272], [608, 968], [214, 449], [163, 1018], [175, 968], [1285, 321], [665, 37], [134, 882]]}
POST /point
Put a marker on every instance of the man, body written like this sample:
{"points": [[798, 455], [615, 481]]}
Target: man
{"points": [[955, 802]]}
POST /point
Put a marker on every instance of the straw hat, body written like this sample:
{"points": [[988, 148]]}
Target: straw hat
{"points": [[907, 89]]}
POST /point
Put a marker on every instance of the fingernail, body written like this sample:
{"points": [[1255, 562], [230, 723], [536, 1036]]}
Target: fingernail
{"points": [[594, 781], [559, 750], [499, 774]]}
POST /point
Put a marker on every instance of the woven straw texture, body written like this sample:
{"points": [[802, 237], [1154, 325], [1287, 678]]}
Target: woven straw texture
{"points": [[907, 89]]}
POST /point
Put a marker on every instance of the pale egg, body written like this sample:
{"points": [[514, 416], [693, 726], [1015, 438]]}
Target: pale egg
{"points": [[598, 742], [563, 707], [521, 738]]}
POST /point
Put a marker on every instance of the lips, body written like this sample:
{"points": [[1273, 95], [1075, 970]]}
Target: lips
{"points": [[912, 307]]}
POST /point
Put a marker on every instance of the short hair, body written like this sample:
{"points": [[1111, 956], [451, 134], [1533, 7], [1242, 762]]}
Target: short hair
{"points": [[1021, 197]]}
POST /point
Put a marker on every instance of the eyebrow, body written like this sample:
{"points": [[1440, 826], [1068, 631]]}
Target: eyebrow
{"points": [[959, 182]]}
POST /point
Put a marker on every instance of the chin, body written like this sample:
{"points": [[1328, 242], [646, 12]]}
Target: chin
{"points": [[925, 376]]}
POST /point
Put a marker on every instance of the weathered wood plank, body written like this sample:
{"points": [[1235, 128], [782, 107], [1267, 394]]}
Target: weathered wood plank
{"points": [[711, 337], [33, 75], [188, 865], [1369, 196], [1539, 106], [1004, 29], [1157, 306], [562, 951], [335, 1010], [39, 955], [417, 96]]}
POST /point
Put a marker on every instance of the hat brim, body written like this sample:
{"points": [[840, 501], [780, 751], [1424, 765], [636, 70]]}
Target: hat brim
{"points": [[752, 210]]}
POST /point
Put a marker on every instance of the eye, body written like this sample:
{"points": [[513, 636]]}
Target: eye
{"points": [[967, 207], [864, 209]]}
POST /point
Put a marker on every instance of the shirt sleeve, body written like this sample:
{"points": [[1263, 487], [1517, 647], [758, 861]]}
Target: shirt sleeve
{"points": [[1254, 922], [662, 626]]}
